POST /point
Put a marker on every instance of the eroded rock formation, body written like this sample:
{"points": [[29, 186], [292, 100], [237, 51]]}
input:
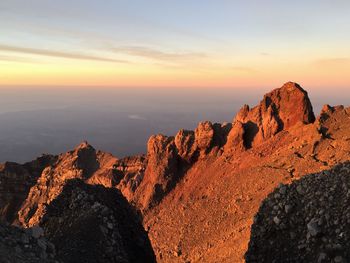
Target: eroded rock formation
{"points": [[197, 191], [82, 163]]}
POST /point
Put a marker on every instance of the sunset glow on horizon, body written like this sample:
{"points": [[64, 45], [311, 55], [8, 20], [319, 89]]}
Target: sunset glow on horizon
{"points": [[174, 44]]}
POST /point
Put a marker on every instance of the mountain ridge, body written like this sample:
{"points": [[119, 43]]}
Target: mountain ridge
{"points": [[197, 191]]}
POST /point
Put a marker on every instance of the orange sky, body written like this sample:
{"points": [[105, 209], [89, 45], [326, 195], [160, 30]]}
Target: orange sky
{"points": [[84, 43]]}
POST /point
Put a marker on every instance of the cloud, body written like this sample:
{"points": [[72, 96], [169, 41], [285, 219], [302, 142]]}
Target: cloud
{"points": [[136, 117], [155, 54], [57, 54], [16, 59], [332, 62]]}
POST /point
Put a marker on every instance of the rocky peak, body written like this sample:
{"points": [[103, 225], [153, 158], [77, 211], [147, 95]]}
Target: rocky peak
{"points": [[161, 171], [204, 135], [291, 103], [279, 110], [82, 163], [184, 141]]}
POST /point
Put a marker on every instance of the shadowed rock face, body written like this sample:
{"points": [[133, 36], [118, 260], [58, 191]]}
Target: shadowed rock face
{"points": [[15, 183], [128, 174], [84, 162], [306, 221], [161, 172], [19, 246], [95, 224]]}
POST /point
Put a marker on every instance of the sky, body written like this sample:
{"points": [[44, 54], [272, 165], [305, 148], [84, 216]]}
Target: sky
{"points": [[175, 43]]}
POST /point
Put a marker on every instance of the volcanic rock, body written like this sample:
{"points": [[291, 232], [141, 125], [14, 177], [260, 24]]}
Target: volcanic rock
{"points": [[198, 192], [15, 183], [19, 246], [161, 173], [319, 222], [128, 174], [82, 162], [95, 224], [185, 144], [279, 110], [204, 136]]}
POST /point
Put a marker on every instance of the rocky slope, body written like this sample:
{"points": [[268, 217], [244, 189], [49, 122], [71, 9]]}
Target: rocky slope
{"points": [[95, 224], [19, 246], [197, 191], [206, 217], [306, 221]]}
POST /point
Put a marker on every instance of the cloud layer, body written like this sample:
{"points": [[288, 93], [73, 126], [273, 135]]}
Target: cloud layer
{"points": [[56, 54]]}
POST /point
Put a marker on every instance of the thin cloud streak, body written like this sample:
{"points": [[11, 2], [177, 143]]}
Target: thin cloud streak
{"points": [[16, 59], [333, 61], [151, 53], [57, 54]]}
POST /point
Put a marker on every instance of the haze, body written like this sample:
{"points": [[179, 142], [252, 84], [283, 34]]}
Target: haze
{"points": [[52, 120], [115, 72]]}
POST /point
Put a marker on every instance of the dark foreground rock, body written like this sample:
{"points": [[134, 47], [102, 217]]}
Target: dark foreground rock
{"points": [[24, 246], [306, 221], [95, 224]]}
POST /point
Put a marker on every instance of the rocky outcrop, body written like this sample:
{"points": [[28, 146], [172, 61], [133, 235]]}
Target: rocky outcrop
{"points": [[19, 246], [306, 221], [82, 163], [95, 224], [185, 144], [235, 138], [161, 172], [204, 136], [128, 173], [279, 110], [168, 158], [15, 183]]}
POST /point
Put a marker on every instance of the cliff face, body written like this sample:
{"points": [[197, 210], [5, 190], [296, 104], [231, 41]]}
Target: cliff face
{"points": [[82, 163], [197, 191], [279, 110], [15, 183], [85, 223]]}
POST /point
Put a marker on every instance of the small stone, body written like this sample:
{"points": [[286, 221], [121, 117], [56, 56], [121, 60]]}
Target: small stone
{"points": [[313, 228], [282, 190], [37, 231], [300, 189], [287, 208], [25, 239], [292, 235], [322, 257], [338, 259], [276, 220]]}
